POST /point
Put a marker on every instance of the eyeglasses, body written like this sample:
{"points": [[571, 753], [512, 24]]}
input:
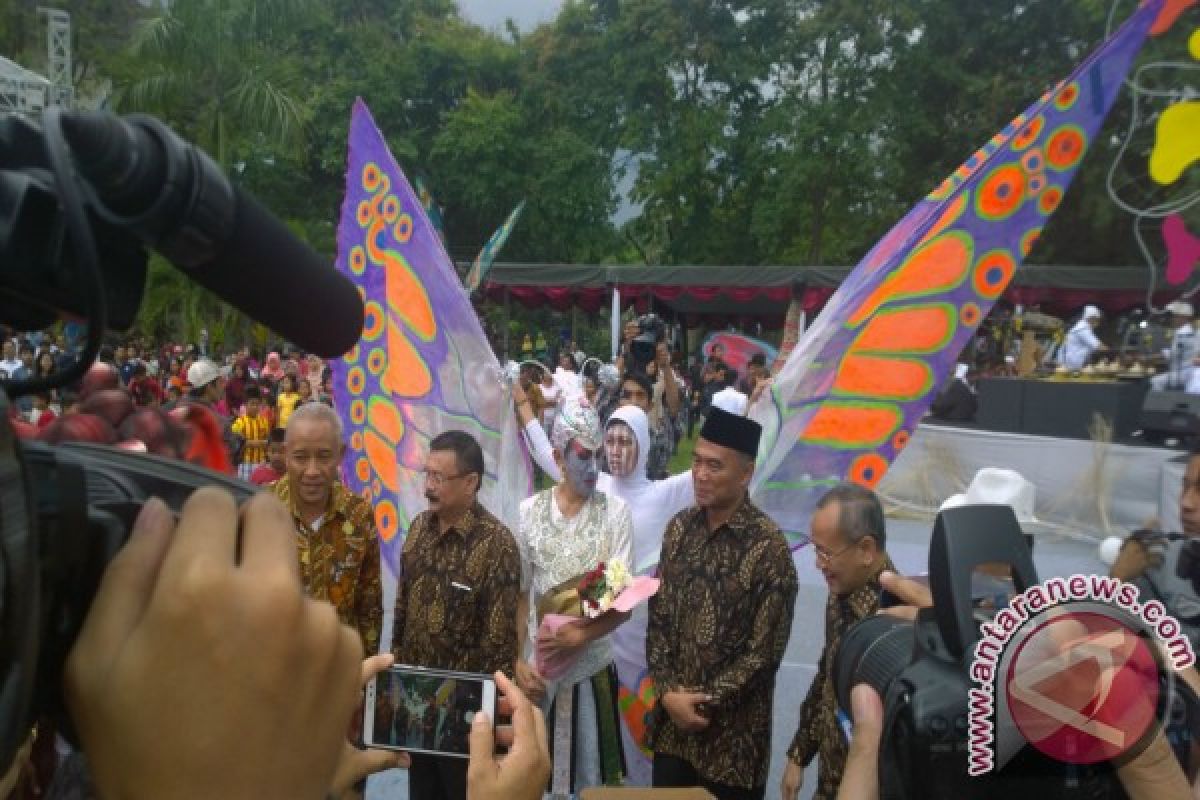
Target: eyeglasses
{"points": [[437, 478], [823, 556]]}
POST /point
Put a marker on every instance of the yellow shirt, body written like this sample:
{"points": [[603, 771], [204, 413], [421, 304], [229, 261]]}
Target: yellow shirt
{"points": [[285, 405], [252, 429]]}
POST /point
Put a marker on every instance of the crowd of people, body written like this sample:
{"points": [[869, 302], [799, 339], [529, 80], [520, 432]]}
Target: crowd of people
{"points": [[474, 595], [252, 394]]}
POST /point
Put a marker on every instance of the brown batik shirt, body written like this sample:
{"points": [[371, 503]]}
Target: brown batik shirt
{"points": [[456, 602], [819, 733], [339, 560], [719, 624]]}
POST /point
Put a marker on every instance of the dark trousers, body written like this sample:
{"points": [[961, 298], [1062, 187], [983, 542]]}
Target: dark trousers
{"points": [[670, 771], [437, 778]]}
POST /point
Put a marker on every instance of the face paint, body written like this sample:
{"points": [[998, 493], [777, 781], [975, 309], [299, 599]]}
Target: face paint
{"points": [[621, 448], [581, 469]]}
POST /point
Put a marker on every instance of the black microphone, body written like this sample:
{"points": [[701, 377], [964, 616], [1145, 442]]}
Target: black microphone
{"points": [[173, 196]]}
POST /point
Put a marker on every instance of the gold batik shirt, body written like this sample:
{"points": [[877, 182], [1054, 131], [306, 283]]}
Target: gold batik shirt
{"points": [[456, 602], [719, 624], [819, 733], [339, 560]]}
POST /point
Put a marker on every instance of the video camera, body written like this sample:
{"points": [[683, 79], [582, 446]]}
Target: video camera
{"points": [[644, 347], [921, 671], [81, 196]]}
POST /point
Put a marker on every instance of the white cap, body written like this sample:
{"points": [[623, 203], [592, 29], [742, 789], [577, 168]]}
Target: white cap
{"points": [[202, 373], [993, 486], [1091, 311], [731, 400], [1181, 308]]}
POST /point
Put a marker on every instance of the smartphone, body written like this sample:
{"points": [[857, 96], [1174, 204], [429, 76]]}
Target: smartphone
{"points": [[425, 710]]}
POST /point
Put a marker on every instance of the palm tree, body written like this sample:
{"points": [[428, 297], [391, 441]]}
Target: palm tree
{"points": [[217, 71], [214, 69]]}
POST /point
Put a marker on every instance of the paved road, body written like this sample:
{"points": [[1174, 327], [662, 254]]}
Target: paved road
{"points": [[908, 543]]}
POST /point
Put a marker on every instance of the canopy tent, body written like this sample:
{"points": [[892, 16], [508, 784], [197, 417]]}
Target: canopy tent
{"points": [[762, 293]]}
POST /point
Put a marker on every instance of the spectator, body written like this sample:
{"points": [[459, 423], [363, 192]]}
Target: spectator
{"points": [[272, 371], [254, 427], [10, 362], [636, 390], [235, 388], [286, 401], [40, 414], [276, 466], [125, 363], [208, 389], [957, 401], [144, 389], [756, 370]]}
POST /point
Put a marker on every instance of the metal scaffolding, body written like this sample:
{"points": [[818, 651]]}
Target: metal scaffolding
{"points": [[22, 91], [58, 55]]}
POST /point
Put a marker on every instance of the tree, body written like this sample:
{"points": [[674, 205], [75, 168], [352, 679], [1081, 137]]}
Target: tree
{"points": [[208, 67]]}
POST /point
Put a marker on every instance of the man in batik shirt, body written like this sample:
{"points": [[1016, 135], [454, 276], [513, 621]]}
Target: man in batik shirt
{"points": [[719, 624], [335, 529], [848, 539], [456, 601]]}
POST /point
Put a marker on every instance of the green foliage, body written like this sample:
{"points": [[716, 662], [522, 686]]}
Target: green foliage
{"points": [[753, 131]]}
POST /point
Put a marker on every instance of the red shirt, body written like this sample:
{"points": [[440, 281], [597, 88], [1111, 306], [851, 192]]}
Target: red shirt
{"points": [[264, 474]]}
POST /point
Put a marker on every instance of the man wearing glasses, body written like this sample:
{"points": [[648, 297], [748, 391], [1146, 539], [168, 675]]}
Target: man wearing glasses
{"points": [[456, 600], [848, 540]]}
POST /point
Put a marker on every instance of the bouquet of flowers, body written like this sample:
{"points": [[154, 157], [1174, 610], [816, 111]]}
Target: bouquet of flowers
{"points": [[607, 587], [598, 589]]}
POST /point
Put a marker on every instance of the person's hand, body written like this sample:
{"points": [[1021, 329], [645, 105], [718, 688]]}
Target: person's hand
{"points": [[760, 386], [354, 764], [1136, 556], [681, 706], [913, 595], [566, 639], [519, 394], [860, 777], [662, 354], [793, 779], [200, 674], [529, 681], [522, 773]]}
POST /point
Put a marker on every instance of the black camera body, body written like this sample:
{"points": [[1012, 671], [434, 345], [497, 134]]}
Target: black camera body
{"points": [[921, 671], [644, 347], [82, 195], [65, 511]]}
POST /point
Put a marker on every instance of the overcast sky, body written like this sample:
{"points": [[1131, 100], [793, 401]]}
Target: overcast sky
{"points": [[526, 13]]}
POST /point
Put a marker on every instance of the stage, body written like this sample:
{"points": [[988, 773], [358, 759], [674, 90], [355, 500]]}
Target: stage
{"points": [[1088, 488], [1063, 409]]}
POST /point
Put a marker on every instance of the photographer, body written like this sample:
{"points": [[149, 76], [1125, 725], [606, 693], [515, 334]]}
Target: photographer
{"points": [[169, 703], [1153, 774], [1167, 567]]}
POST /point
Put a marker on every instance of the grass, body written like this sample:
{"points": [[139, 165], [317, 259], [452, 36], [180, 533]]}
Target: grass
{"points": [[682, 460]]}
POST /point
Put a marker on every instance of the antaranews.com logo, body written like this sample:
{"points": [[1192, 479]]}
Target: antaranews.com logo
{"points": [[1076, 667]]}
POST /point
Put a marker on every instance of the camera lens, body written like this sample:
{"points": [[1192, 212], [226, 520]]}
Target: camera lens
{"points": [[873, 652]]}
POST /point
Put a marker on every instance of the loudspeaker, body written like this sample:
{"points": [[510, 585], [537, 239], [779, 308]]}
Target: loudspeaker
{"points": [[1171, 414]]}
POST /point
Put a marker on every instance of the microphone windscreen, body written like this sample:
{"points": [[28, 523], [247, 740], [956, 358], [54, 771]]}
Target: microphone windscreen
{"points": [[267, 272]]}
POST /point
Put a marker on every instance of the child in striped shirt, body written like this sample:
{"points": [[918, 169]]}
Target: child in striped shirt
{"points": [[254, 427]]}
